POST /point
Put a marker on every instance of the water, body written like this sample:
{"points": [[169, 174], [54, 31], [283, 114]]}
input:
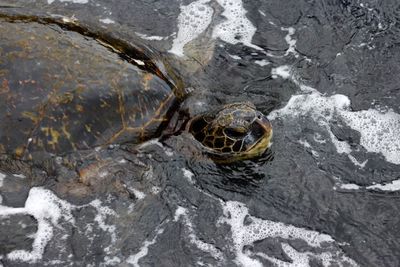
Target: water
{"points": [[325, 73]]}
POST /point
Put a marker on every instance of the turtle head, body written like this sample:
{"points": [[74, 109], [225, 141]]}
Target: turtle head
{"points": [[237, 131]]}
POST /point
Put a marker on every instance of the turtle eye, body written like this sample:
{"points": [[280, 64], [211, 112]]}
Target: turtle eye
{"points": [[235, 132], [197, 125]]}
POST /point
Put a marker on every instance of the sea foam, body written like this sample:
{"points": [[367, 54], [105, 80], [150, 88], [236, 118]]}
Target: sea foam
{"points": [[47, 209], [192, 21], [236, 28], [183, 213], [380, 131], [2, 176], [196, 17], [245, 234]]}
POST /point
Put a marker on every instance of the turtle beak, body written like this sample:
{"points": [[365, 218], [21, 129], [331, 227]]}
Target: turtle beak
{"points": [[263, 121]]}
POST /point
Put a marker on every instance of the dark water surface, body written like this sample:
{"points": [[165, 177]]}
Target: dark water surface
{"points": [[326, 72]]}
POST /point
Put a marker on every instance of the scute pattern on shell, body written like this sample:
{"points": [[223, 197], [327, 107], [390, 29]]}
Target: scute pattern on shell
{"points": [[62, 91]]}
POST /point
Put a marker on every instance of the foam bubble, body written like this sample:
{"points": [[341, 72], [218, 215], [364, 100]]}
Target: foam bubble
{"points": [[197, 16], [151, 38], [303, 258], [101, 216], [212, 250], [357, 163], [192, 21], [262, 62], [138, 194], [134, 259], [258, 229], [349, 186], [308, 146], [2, 176], [380, 131], [282, 71], [188, 175], [180, 211], [237, 28], [290, 41], [392, 186], [107, 21], [111, 261], [236, 57], [47, 209]]}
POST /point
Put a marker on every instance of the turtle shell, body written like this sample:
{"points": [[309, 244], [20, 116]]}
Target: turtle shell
{"points": [[61, 90]]}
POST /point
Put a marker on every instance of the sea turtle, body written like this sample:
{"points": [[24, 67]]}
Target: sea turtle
{"points": [[65, 87]]}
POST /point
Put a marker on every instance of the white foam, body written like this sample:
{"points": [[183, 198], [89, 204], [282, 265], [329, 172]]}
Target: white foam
{"points": [[319, 139], [180, 211], [237, 28], [357, 163], [235, 57], [300, 259], [196, 17], [169, 152], [2, 176], [290, 41], [138, 194], [188, 175], [134, 259], [151, 38], [283, 71], [286, 72], [192, 21], [107, 21], [111, 261], [257, 229], [392, 186], [100, 218], [47, 209], [380, 131], [155, 190], [307, 145], [349, 186], [71, 1], [262, 62], [212, 250]]}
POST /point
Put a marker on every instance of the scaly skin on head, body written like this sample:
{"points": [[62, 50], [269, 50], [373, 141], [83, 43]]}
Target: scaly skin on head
{"points": [[236, 132]]}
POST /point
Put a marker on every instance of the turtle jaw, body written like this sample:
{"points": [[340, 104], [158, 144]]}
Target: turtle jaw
{"points": [[264, 142]]}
